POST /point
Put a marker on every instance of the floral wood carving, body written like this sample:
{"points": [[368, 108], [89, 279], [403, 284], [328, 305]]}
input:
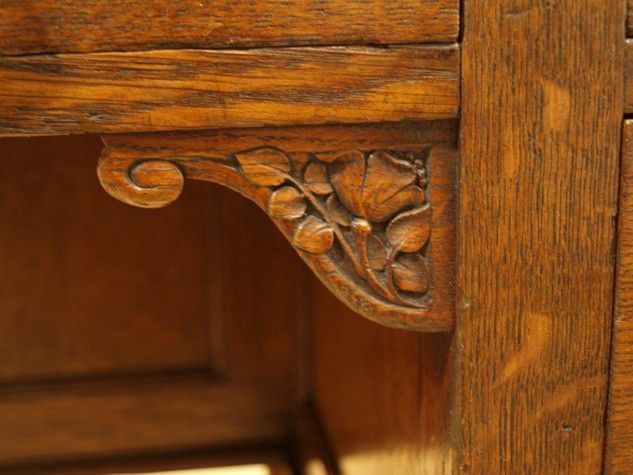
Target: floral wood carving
{"points": [[361, 218]]}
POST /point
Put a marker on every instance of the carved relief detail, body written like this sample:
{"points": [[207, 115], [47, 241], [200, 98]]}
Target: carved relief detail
{"points": [[361, 219], [368, 209]]}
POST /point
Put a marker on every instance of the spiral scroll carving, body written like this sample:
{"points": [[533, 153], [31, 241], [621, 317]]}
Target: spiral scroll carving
{"points": [[148, 183]]}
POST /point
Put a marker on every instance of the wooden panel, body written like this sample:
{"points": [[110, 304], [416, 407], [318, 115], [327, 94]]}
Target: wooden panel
{"points": [[383, 394], [90, 286], [539, 165], [250, 311], [619, 453], [110, 417], [629, 17], [382, 205], [161, 90], [87, 284], [34, 26]]}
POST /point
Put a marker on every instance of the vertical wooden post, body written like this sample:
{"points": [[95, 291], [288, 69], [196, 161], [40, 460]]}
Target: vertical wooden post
{"points": [[542, 106], [619, 447]]}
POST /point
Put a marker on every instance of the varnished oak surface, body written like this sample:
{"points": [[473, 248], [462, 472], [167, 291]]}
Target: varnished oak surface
{"points": [[525, 390], [629, 18], [619, 453], [382, 394], [76, 299], [246, 313], [89, 292], [36, 26], [163, 90], [628, 77], [84, 419], [541, 117]]}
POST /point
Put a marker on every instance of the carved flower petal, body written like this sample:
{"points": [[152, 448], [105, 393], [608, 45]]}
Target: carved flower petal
{"points": [[264, 166], [409, 231], [286, 203], [316, 179], [347, 174], [411, 273], [389, 186], [314, 236]]}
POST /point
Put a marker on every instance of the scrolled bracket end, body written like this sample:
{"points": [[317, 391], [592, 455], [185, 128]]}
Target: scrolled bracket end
{"points": [[147, 183]]}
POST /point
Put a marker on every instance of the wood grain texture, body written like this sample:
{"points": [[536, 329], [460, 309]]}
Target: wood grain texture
{"points": [[628, 77], [247, 312], [375, 223], [168, 90], [75, 298], [33, 26], [87, 419], [619, 453], [89, 290], [629, 17], [539, 165], [78, 300], [382, 394]]}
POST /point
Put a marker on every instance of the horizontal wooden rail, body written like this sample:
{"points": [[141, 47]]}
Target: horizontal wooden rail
{"points": [[100, 418], [72, 26], [186, 89]]}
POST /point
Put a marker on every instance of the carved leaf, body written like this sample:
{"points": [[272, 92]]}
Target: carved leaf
{"points": [[347, 173], [377, 253], [337, 211], [328, 157], [411, 273], [316, 179], [314, 236], [286, 203], [264, 166], [409, 231], [376, 188]]}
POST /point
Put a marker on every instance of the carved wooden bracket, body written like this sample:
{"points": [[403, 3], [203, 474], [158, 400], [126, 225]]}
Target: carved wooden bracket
{"points": [[368, 208]]}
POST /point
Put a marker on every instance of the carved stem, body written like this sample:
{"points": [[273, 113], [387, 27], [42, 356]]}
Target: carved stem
{"points": [[392, 256], [361, 243], [326, 217], [362, 230], [390, 282]]}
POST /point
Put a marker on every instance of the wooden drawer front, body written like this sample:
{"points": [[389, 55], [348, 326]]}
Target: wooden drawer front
{"points": [[36, 26], [169, 90]]}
